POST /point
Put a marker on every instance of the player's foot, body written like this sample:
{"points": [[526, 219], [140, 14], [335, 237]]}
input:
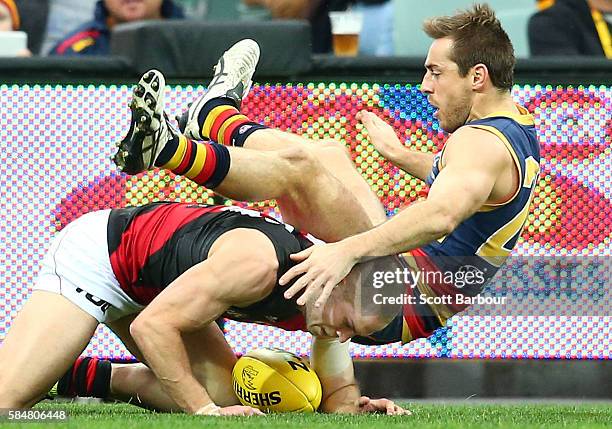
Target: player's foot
{"points": [[52, 393], [149, 130], [232, 80]]}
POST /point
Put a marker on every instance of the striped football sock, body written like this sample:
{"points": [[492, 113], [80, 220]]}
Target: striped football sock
{"points": [[205, 163], [220, 121], [88, 377]]}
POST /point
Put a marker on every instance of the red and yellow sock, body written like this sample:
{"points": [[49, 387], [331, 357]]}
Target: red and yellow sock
{"points": [[220, 121], [205, 163]]}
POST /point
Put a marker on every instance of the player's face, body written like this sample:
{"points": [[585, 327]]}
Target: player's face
{"points": [[339, 318], [133, 10], [447, 91]]}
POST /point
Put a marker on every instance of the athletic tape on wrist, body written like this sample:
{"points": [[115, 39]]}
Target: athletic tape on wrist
{"points": [[209, 410]]}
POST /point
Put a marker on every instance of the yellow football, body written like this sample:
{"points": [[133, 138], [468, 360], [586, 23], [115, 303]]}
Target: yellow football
{"points": [[274, 380]]}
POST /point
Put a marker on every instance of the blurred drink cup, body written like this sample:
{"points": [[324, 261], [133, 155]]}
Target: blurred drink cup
{"points": [[346, 27]]}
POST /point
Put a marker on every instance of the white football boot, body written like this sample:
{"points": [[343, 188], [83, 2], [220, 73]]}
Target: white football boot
{"points": [[232, 79]]}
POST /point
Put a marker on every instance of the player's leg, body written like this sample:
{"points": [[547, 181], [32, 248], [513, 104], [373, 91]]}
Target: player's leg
{"points": [[133, 383], [306, 179], [216, 116], [152, 141], [336, 159], [45, 338], [60, 317], [211, 358], [310, 197]]}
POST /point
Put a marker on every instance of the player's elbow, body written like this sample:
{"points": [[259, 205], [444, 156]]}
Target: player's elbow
{"points": [[144, 327], [138, 328], [448, 224], [444, 220]]}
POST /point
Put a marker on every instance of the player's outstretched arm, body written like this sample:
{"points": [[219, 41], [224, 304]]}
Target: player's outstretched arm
{"points": [[333, 364], [187, 305], [474, 160]]}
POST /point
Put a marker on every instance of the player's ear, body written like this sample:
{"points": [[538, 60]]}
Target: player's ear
{"points": [[314, 315], [479, 73]]}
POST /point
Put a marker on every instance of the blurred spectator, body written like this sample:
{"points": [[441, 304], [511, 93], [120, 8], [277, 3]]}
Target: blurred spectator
{"points": [[572, 27], [93, 38], [376, 36], [544, 4], [315, 11], [10, 20], [284, 9], [65, 15], [9, 16], [200, 9], [33, 21]]}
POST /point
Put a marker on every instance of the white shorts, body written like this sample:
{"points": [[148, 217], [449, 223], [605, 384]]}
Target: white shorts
{"points": [[77, 266]]}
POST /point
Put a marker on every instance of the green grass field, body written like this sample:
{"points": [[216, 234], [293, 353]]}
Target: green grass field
{"points": [[425, 416]]}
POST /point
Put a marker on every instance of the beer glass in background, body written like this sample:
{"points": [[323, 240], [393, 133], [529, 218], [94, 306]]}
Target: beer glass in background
{"points": [[346, 27]]}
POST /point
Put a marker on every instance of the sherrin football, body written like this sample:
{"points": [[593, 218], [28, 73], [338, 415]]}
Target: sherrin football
{"points": [[274, 380]]}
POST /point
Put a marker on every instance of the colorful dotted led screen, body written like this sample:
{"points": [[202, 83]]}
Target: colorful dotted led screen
{"points": [[56, 142]]}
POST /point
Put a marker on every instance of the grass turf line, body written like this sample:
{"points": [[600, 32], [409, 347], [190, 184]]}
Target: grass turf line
{"points": [[425, 416]]}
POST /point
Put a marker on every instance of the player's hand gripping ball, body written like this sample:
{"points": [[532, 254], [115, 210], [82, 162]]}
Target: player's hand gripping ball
{"points": [[274, 380]]}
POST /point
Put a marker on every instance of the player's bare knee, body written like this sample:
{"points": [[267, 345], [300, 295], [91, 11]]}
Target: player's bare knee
{"points": [[140, 327], [301, 159], [10, 397], [303, 167]]}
